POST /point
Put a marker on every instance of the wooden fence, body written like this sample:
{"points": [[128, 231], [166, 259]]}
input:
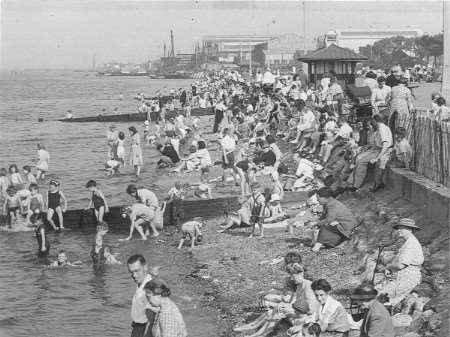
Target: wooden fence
{"points": [[430, 141]]}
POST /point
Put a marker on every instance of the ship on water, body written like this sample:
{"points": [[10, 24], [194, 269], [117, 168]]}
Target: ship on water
{"points": [[128, 69]]}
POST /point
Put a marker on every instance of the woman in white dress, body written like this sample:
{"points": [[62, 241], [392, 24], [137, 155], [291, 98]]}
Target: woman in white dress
{"points": [[136, 152], [42, 164]]}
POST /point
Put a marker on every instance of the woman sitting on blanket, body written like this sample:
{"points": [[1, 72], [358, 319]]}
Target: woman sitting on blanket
{"points": [[296, 302]]}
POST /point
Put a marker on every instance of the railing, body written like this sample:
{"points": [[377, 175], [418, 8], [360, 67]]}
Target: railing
{"points": [[430, 141]]}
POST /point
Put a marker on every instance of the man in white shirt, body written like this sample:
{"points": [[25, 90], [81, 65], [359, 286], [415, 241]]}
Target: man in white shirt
{"points": [[306, 122], [137, 267]]}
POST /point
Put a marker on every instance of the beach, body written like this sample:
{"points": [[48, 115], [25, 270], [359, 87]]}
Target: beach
{"points": [[223, 268]]}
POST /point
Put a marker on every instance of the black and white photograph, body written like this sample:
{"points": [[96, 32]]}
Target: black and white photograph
{"points": [[224, 168]]}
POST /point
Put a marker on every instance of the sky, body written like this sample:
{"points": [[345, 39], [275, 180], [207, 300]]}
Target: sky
{"points": [[68, 33]]}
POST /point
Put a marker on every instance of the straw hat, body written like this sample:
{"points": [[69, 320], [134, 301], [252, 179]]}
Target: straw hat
{"points": [[406, 222]]}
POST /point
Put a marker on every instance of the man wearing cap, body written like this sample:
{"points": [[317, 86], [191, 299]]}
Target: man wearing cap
{"points": [[406, 264], [376, 322]]}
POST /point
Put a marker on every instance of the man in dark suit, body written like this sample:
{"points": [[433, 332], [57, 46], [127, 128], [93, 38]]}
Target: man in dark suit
{"points": [[376, 322]]}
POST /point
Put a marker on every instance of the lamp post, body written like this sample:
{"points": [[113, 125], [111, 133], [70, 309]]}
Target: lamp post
{"points": [[446, 67]]}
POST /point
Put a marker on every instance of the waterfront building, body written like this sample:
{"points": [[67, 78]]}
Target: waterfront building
{"points": [[230, 48], [356, 38], [281, 51]]}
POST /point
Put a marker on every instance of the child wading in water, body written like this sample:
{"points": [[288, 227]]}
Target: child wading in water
{"points": [[97, 200], [29, 178], [14, 175], [191, 230], [41, 237], [101, 254], [11, 206], [54, 199], [36, 204]]}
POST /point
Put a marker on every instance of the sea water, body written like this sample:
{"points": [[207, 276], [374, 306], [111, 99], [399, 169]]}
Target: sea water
{"points": [[37, 301]]}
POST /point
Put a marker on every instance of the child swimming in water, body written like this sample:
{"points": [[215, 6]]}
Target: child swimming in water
{"points": [[62, 261], [14, 175], [11, 207], [98, 201], [54, 199], [191, 230], [36, 203]]}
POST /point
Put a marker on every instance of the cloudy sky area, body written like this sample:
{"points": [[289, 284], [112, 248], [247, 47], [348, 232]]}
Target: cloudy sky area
{"points": [[67, 33]]}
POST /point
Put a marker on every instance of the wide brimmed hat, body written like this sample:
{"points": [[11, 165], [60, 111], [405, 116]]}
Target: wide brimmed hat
{"points": [[364, 293], [406, 222]]}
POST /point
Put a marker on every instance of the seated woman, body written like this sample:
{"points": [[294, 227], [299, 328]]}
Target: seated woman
{"points": [[330, 314], [241, 218], [296, 301], [403, 273], [169, 156], [337, 224], [192, 162]]}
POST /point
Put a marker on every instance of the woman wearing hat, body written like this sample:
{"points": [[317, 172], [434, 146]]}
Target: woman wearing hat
{"points": [[376, 322], [404, 271]]}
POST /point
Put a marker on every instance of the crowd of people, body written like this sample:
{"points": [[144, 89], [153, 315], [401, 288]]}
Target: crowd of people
{"points": [[331, 147]]}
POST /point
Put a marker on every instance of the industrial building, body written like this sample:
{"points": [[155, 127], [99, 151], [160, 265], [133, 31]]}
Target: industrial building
{"points": [[281, 51], [231, 48], [355, 38]]}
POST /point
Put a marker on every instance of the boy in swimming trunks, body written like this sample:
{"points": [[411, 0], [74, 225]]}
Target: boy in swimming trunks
{"points": [[97, 201], [62, 261], [11, 207], [36, 203], [54, 200], [192, 230]]}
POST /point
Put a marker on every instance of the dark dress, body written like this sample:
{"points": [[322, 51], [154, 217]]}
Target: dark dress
{"points": [[97, 201], [54, 200]]}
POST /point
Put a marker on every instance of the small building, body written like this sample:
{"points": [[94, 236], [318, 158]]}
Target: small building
{"points": [[341, 61], [280, 51]]}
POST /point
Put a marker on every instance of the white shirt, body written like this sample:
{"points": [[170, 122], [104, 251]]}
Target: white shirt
{"points": [[147, 197], [306, 121], [268, 78], [411, 252], [228, 144], [139, 302], [384, 135], [204, 157], [379, 95], [345, 131]]}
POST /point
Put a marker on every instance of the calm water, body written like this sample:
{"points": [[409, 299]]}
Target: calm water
{"points": [[35, 301]]}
